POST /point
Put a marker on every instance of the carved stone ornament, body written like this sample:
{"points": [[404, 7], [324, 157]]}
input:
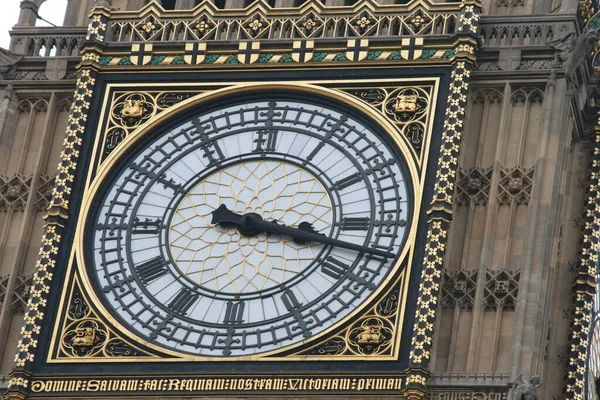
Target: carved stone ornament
{"points": [[573, 49], [523, 390]]}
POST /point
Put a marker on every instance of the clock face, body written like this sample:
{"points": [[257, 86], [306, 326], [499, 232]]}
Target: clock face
{"points": [[250, 225]]}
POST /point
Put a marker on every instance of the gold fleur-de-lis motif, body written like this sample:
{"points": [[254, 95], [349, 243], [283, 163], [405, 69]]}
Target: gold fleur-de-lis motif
{"points": [[255, 25], [149, 27], [309, 24], [417, 21], [202, 26], [363, 22]]}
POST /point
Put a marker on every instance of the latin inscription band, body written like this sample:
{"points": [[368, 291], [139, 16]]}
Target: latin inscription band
{"points": [[205, 384]]}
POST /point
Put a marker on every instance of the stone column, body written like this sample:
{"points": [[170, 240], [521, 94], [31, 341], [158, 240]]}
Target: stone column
{"points": [[135, 5], [185, 4], [335, 3], [284, 3], [235, 3], [71, 13], [29, 9]]}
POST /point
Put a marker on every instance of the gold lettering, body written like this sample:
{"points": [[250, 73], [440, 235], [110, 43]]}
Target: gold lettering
{"points": [[344, 384], [131, 385], [188, 384], [209, 384], [173, 384], [326, 383], [59, 386], [103, 384], [269, 384], [219, 384], [317, 384], [37, 386], [278, 384], [398, 384], [335, 384], [92, 386], [361, 384]]}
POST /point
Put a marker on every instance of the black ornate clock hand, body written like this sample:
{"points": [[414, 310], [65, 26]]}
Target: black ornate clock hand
{"points": [[252, 224]]}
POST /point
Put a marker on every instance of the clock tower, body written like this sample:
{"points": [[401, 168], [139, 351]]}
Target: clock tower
{"points": [[278, 198], [240, 210]]}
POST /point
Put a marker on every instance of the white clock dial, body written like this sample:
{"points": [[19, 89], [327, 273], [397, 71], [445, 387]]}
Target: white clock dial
{"points": [[180, 280]]}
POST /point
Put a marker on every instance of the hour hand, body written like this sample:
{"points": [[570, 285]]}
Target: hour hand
{"points": [[245, 224], [306, 227]]}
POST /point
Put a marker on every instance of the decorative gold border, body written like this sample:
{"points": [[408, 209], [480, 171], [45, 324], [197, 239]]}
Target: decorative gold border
{"points": [[104, 169]]}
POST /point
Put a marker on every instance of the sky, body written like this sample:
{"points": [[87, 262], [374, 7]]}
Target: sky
{"points": [[52, 10]]}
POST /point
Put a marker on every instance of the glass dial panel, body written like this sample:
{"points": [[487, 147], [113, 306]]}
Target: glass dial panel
{"points": [[182, 282], [222, 259]]}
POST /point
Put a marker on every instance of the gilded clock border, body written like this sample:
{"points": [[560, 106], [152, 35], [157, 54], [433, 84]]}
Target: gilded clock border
{"points": [[104, 168]]}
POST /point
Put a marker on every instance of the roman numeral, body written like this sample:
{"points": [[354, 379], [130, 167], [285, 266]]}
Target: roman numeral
{"points": [[347, 181], [146, 227], [145, 170], [314, 152], [151, 269], [183, 301], [266, 135], [234, 312], [334, 268], [213, 153], [290, 301], [355, 224]]}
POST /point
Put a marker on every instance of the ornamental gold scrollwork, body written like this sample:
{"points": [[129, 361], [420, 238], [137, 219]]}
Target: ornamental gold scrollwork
{"points": [[132, 109], [129, 110], [371, 335], [85, 336], [407, 107]]}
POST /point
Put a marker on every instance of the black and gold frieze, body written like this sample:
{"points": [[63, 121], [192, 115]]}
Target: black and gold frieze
{"points": [[146, 99]]}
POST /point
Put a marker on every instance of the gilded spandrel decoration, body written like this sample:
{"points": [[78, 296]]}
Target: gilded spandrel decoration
{"points": [[84, 335], [84, 338], [372, 335], [129, 110], [407, 107], [132, 110]]}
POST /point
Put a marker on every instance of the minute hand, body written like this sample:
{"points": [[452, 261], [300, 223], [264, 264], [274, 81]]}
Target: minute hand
{"points": [[272, 227], [254, 222]]}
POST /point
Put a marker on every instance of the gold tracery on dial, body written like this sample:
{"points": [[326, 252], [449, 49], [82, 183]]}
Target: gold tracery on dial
{"points": [[223, 260]]}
